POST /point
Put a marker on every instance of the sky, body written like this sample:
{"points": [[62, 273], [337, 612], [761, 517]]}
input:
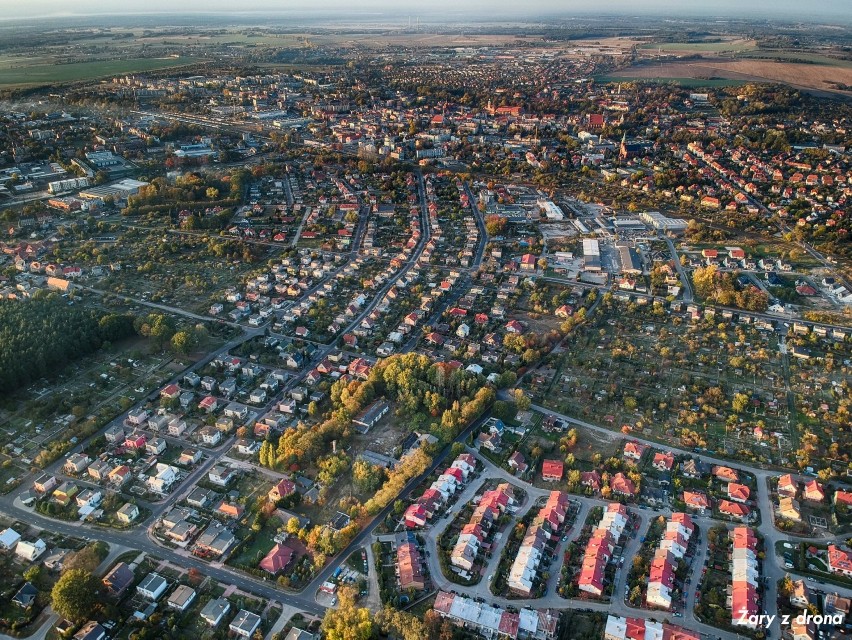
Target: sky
{"points": [[809, 10]]}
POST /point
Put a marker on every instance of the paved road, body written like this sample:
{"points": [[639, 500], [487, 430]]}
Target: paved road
{"points": [[684, 277], [137, 539]]}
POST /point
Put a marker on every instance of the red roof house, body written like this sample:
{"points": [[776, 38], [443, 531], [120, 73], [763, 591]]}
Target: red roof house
{"points": [[277, 559], [551, 470]]}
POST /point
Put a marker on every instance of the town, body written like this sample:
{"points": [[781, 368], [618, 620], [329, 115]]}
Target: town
{"points": [[402, 338]]}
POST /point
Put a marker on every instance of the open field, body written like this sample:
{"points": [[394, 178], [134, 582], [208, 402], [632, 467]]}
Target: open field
{"points": [[683, 82], [796, 56], [800, 75], [733, 45], [36, 74]]}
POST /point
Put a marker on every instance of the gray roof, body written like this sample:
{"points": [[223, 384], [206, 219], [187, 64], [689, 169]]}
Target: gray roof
{"points": [[215, 609], [152, 583], [245, 621]]}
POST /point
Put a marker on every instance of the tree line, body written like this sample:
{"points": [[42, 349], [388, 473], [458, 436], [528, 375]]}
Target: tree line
{"points": [[41, 335]]}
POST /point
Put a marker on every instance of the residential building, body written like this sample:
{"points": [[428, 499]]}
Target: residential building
{"points": [[409, 563], [839, 560], [245, 623], [30, 550], [128, 513], [214, 611], [119, 579], [277, 559], [181, 598], [152, 586], [744, 573]]}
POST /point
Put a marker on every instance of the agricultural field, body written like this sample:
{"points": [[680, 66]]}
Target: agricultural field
{"points": [[23, 73], [645, 370], [732, 45], [817, 77], [686, 82]]}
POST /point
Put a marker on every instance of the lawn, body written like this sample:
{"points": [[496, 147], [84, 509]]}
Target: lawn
{"points": [[58, 73]]}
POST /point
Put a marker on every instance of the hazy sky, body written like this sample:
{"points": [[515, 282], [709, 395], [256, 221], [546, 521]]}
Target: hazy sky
{"points": [[835, 10]]}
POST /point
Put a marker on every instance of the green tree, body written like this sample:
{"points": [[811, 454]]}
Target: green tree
{"points": [[182, 342], [33, 573], [76, 594], [367, 477]]}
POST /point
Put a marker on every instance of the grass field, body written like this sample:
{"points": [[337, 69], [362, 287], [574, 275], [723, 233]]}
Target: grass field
{"points": [[702, 47], [795, 56], [38, 74], [683, 82]]}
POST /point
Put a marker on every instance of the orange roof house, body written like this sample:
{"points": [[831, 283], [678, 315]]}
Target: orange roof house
{"points": [[551, 470], [733, 509], [814, 491], [623, 485], [696, 500], [726, 473], [738, 492], [277, 559]]}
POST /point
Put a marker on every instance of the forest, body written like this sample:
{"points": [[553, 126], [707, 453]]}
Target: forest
{"points": [[40, 336]]}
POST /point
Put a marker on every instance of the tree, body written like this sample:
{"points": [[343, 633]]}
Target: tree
{"points": [[522, 401], [495, 225], [401, 624], [32, 574], [367, 477], [739, 403], [293, 526], [347, 621], [88, 558], [76, 594], [501, 410], [182, 342]]}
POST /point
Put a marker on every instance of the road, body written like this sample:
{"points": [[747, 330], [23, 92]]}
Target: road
{"points": [[480, 225], [169, 309], [551, 599], [306, 600], [684, 277]]}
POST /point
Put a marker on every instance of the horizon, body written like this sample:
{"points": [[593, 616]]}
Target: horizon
{"points": [[444, 11]]}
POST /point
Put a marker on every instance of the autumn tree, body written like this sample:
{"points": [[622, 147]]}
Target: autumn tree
{"points": [[347, 621], [367, 477], [400, 624]]}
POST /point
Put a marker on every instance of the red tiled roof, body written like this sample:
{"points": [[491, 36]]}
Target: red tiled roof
{"points": [[552, 469], [277, 559]]}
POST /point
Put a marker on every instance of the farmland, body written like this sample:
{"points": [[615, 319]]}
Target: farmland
{"points": [[733, 45], [822, 77], [26, 75]]}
